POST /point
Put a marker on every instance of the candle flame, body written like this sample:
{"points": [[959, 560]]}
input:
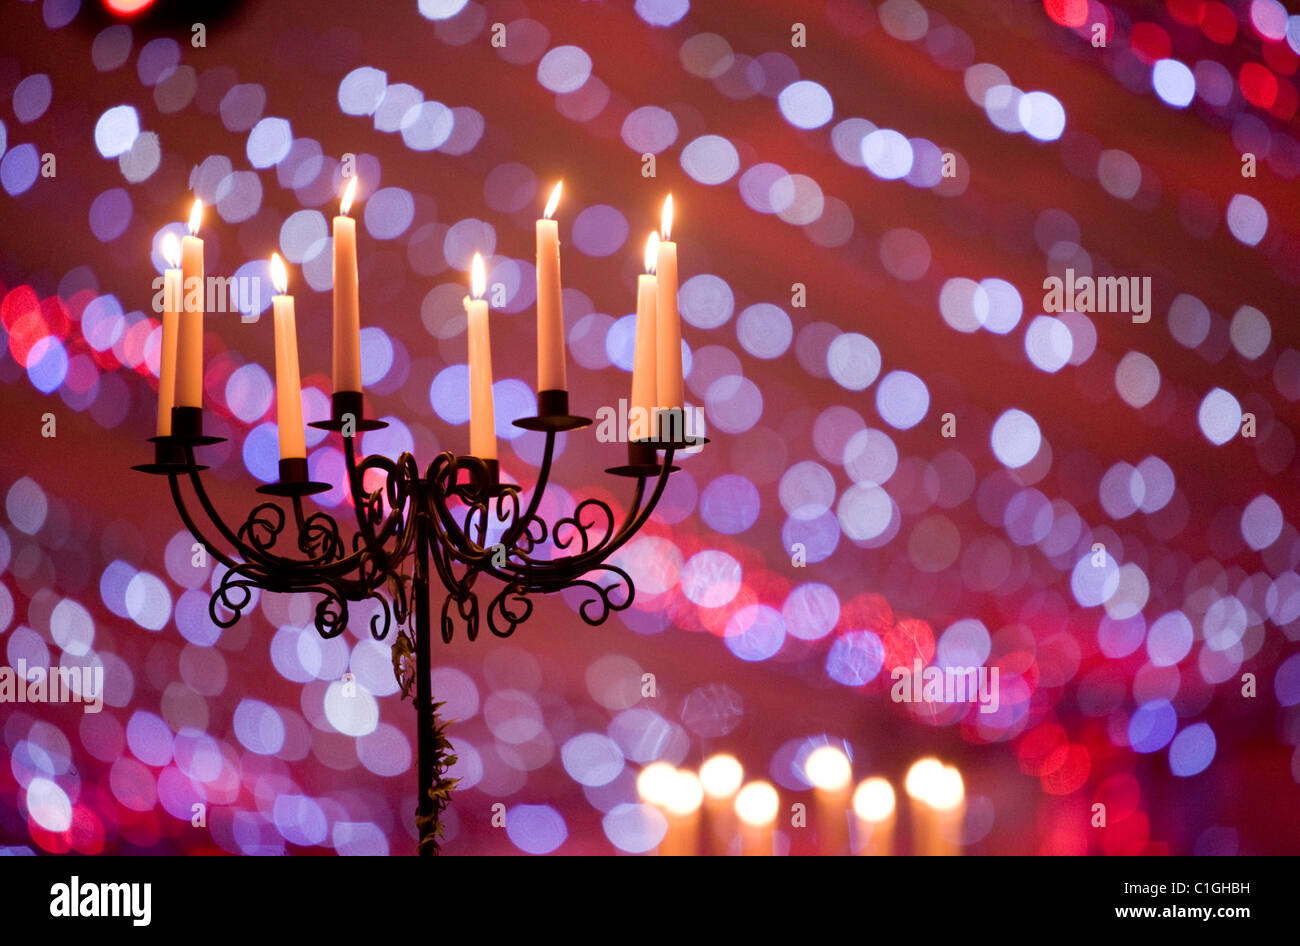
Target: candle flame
{"points": [[756, 804], [478, 276], [922, 777], [666, 221], [349, 192], [874, 800], [554, 201], [721, 775], [279, 275], [827, 767], [171, 250], [949, 790], [196, 217], [651, 252]]}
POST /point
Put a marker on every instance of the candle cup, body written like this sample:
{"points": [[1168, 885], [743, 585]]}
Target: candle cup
{"points": [[347, 414], [552, 403], [642, 461], [294, 470], [166, 451], [187, 427], [553, 413], [491, 475], [295, 480], [671, 430], [168, 457]]}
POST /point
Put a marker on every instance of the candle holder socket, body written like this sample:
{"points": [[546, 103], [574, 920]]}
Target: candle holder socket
{"points": [[187, 428], [553, 414], [347, 409], [294, 480], [168, 457], [642, 460]]}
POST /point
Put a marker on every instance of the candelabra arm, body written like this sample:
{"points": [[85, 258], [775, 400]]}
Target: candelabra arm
{"points": [[438, 485], [241, 548], [520, 525], [178, 499], [547, 575], [369, 505]]}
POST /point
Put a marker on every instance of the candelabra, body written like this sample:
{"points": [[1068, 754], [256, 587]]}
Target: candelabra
{"points": [[456, 515]]}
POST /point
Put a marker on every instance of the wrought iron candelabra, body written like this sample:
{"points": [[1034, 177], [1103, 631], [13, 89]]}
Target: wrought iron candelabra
{"points": [[444, 516]]}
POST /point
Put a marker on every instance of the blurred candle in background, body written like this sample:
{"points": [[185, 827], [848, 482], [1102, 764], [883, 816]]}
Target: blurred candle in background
{"points": [[288, 380], [347, 305], [756, 807], [948, 799], [938, 807], [172, 304], [655, 785], [828, 769], [668, 327], [643, 367], [482, 417], [189, 355], [720, 777], [682, 806], [873, 806], [550, 310]]}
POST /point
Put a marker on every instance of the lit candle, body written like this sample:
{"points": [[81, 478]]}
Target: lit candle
{"points": [[550, 311], [720, 777], [874, 805], [482, 420], [756, 807], [655, 785], [668, 327], [827, 767], [684, 797], [189, 357], [288, 381], [919, 784], [642, 411], [172, 304], [347, 311], [948, 799], [938, 807]]}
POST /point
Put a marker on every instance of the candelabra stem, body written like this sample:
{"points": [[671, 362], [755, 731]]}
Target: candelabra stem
{"points": [[426, 735]]}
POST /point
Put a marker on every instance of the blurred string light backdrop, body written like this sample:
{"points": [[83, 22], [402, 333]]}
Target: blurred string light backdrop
{"points": [[1111, 523]]}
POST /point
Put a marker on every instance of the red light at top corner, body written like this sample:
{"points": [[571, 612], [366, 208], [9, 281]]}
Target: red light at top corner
{"points": [[127, 7], [1067, 12], [1218, 22], [1186, 12]]}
